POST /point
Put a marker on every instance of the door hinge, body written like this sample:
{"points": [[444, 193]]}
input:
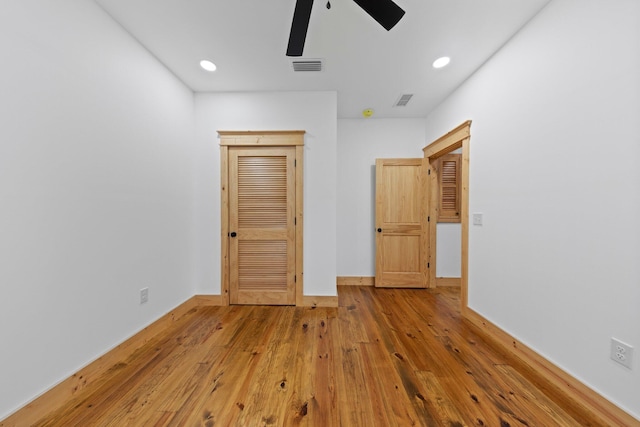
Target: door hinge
{"points": [[428, 219], [428, 265], [295, 279], [429, 172], [295, 163], [295, 221]]}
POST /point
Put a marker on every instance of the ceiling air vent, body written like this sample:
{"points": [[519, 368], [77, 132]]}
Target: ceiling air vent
{"points": [[404, 100], [307, 65]]}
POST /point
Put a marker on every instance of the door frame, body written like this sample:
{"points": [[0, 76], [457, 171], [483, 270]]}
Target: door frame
{"points": [[277, 138], [459, 137]]}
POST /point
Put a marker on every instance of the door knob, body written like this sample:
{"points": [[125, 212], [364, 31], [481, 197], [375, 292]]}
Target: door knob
{"points": [[233, 234], [379, 230]]}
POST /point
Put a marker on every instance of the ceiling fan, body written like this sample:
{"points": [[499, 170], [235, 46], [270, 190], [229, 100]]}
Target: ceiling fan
{"points": [[386, 12]]}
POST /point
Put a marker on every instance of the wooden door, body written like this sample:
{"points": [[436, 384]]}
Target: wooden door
{"points": [[262, 225], [399, 253]]}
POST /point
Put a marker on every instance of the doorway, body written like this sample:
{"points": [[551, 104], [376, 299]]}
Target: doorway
{"points": [[459, 137], [261, 229]]}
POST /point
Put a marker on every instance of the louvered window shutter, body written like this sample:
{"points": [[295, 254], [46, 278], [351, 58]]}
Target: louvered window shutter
{"points": [[449, 209]]}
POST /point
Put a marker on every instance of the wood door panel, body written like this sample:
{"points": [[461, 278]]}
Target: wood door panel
{"points": [[402, 280], [401, 183], [261, 214], [262, 233], [262, 192], [399, 209], [254, 297], [262, 265], [403, 228], [407, 251]]}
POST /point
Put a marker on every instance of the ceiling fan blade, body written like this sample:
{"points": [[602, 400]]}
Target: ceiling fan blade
{"points": [[299, 25], [386, 12]]}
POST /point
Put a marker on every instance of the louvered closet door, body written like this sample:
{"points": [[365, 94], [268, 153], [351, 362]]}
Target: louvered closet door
{"points": [[261, 214], [449, 173]]}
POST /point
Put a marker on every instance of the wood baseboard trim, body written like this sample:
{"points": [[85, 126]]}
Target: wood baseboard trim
{"points": [[319, 301], [355, 281], [563, 383], [307, 301], [210, 300], [448, 281], [66, 389]]}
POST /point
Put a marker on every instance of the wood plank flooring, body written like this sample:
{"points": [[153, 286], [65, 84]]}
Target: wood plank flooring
{"points": [[385, 357]]}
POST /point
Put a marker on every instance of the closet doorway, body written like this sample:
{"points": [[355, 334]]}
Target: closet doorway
{"points": [[261, 217], [458, 138]]}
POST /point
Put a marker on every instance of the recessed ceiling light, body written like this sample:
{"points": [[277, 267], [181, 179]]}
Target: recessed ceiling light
{"points": [[208, 65], [441, 62]]}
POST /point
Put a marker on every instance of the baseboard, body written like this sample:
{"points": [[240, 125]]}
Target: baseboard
{"points": [[65, 390], [582, 396], [448, 281], [210, 300], [355, 281], [319, 301], [307, 301]]}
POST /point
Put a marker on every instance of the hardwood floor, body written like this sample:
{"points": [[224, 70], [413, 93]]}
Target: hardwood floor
{"points": [[385, 357]]}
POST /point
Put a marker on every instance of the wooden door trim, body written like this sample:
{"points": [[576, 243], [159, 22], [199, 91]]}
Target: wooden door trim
{"points": [[299, 222], [459, 137], [464, 223], [424, 240], [224, 224], [448, 142], [261, 139], [265, 138]]}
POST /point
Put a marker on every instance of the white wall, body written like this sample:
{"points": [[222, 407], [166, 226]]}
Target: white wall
{"points": [[95, 191], [448, 249], [554, 169], [314, 112], [360, 143]]}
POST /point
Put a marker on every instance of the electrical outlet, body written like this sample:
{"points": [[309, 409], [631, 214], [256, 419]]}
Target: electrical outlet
{"points": [[621, 353], [144, 295]]}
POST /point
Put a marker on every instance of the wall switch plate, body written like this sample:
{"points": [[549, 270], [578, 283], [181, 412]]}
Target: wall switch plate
{"points": [[621, 353], [144, 295], [477, 218]]}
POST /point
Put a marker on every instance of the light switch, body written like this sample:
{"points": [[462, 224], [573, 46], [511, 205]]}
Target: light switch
{"points": [[477, 218]]}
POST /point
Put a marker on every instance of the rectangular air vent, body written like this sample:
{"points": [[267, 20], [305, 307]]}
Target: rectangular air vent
{"points": [[307, 65], [404, 100]]}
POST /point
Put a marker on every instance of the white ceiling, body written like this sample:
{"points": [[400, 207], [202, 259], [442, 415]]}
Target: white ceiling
{"points": [[367, 66]]}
